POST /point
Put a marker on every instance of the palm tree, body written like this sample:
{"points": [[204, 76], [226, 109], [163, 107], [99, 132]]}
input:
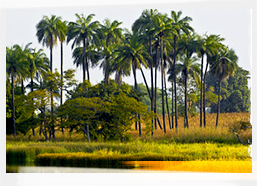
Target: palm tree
{"points": [[16, 66], [38, 66], [83, 31], [110, 34], [62, 32], [179, 25], [133, 53], [188, 69], [145, 26], [225, 65], [206, 45], [47, 33], [164, 26]]}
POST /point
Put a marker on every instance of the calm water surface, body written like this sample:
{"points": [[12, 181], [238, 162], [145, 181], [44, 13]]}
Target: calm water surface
{"points": [[36, 169]]}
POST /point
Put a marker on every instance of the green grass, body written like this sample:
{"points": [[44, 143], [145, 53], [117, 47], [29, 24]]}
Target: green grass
{"points": [[64, 153]]}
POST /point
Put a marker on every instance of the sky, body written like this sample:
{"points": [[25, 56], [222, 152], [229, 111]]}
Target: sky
{"points": [[229, 18]]}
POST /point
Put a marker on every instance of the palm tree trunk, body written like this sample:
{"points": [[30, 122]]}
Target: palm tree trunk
{"points": [[51, 93], [204, 99], [151, 69], [22, 86], [218, 109], [31, 90], [155, 90], [174, 79], [13, 107], [88, 78], [201, 91], [162, 78], [61, 82], [136, 88], [166, 96], [172, 105], [84, 60], [186, 115]]}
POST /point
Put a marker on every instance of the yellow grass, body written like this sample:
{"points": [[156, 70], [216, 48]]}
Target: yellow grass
{"points": [[224, 130], [195, 166]]}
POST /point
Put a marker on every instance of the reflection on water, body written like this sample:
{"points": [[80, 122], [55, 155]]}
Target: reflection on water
{"points": [[145, 166], [35, 169]]}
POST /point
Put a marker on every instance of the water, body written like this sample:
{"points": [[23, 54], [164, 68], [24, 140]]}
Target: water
{"points": [[41, 169]]}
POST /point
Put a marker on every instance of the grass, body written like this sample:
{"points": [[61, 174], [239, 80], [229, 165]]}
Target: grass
{"points": [[209, 144], [131, 151]]}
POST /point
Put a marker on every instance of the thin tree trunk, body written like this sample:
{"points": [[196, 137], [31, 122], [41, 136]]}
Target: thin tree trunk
{"points": [[13, 108], [61, 83], [186, 115], [166, 96], [152, 86], [172, 105], [162, 78], [32, 89], [22, 86], [51, 94], [201, 96], [204, 99], [88, 78], [155, 90], [175, 86], [84, 60], [136, 88], [218, 109]]}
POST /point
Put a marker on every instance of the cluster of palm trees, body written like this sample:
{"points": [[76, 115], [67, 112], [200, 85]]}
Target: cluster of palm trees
{"points": [[159, 42]]}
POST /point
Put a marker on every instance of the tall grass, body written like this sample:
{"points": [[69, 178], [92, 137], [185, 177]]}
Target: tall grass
{"points": [[195, 134]]}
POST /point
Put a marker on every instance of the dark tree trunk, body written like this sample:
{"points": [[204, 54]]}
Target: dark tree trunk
{"points": [[84, 60], [218, 109], [22, 86], [87, 67], [175, 86], [61, 82], [204, 99], [201, 91], [166, 96], [155, 89], [32, 89], [172, 105], [151, 68], [162, 79], [13, 108], [186, 115], [51, 94], [136, 88]]}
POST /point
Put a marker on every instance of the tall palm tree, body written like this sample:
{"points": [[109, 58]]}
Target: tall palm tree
{"points": [[225, 65], [62, 33], [16, 66], [83, 31], [179, 25], [145, 26], [47, 33], [188, 68], [133, 53], [206, 45], [164, 26]]}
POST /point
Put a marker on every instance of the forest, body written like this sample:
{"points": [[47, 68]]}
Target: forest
{"points": [[203, 74]]}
